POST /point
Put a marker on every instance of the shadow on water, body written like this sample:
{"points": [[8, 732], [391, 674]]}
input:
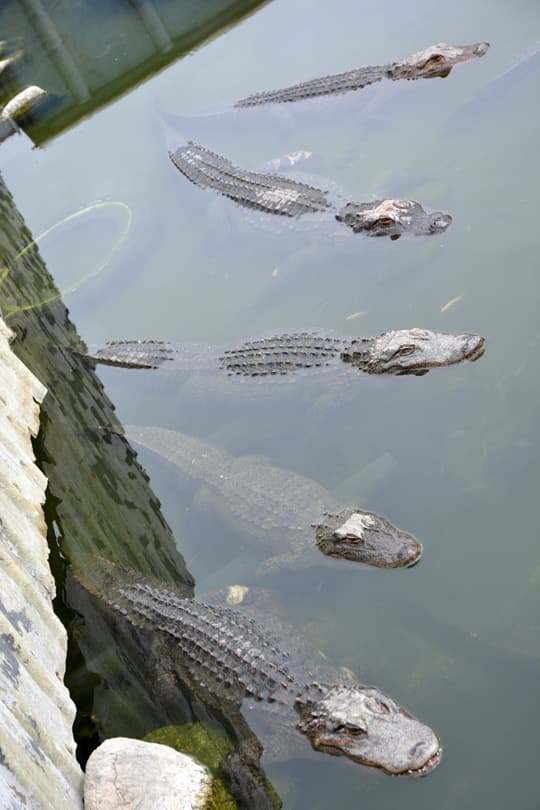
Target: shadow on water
{"points": [[63, 44]]}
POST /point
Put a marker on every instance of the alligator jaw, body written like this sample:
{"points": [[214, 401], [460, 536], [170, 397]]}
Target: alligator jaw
{"points": [[429, 766], [473, 349], [424, 770], [478, 348]]}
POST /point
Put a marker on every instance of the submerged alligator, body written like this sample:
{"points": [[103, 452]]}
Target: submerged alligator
{"points": [[402, 351], [226, 657], [435, 61], [278, 507], [283, 196]]}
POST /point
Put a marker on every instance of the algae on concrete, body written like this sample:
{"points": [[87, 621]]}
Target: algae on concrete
{"points": [[99, 499], [98, 495]]}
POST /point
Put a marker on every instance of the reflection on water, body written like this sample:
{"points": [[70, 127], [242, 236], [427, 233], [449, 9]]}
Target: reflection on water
{"points": [[86, 266], [98, 497], [452, 456], [63, 44]]}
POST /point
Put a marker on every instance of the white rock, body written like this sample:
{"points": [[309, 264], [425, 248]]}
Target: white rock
{"points": [[126, 774]]}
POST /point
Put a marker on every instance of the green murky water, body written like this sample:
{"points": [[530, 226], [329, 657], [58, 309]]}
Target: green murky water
{"points": [[452, 456]]}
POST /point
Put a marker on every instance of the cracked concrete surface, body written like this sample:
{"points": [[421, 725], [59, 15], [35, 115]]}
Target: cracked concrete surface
{"points": [[38, 768]]}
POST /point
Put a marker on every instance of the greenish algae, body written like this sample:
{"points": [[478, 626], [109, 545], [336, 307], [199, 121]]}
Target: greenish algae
{"points": [[102, 499], [99, 499], [208, 745]]}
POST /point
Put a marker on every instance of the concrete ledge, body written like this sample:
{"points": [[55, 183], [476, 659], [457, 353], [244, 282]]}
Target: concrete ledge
{"points": [[38, 768]]}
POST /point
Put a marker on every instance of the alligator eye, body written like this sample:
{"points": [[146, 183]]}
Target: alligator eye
{"points": [[382, 706], [353, 539], [404, 351], [434, 60], [350, 729], [384, 222]]}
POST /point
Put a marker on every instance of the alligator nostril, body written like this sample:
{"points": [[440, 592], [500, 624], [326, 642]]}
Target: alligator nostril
{"points": [[407, 553], [475, 348], [442, 223], [417, 749]]}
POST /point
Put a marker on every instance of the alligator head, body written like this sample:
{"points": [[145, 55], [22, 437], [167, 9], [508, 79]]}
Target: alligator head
{"points": [[367, 538], [392, 218], [412, 351], [437, 60], [362, 723]]}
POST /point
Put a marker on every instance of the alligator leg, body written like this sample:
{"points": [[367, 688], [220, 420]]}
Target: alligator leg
{"points": [[241, 770]]}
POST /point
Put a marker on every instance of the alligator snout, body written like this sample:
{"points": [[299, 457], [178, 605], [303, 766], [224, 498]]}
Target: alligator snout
{"points": [[440, 222], [481, 48], [475, 347], [409, 555]]}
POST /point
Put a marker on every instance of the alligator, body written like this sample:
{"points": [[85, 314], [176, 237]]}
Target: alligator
{"points": [[229, 659], [401, 352], [283, 196], [277, 507], [435, 61]]}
